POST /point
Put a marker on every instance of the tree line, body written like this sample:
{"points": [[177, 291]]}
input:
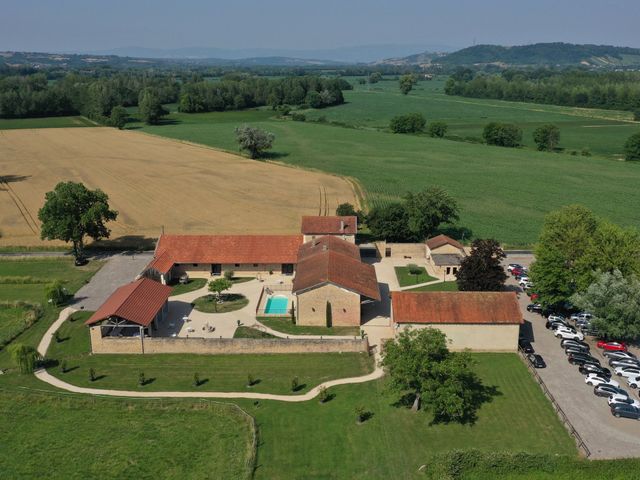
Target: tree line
{"points": [[574, 88], [35, 95]]}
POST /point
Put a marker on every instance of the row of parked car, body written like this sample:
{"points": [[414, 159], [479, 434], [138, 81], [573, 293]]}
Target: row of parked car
{"points": [[521, 274], [624, 363]]}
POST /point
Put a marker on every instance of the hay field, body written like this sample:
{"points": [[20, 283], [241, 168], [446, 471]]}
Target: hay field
{"points": [[155, 182]]}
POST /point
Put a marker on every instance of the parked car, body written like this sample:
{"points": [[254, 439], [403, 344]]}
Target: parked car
{"points": [[534, 308], [514, 265], [526, 285], [526, 346], [588, 368], [633, 382], [627, 371], [575, 343], [606, 390], [576, 350], [536, 360], [581, 359], [523, 278], [517, 271], [596, 379], [617, 398], [618, 354], [625, 410], [566, 333], [576, 317], [618, 346], [554, 317], [589, 330], [624, 362], [553, 324]]}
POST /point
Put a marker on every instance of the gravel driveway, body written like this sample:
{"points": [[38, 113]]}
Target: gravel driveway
{"points": [[605, 435]]}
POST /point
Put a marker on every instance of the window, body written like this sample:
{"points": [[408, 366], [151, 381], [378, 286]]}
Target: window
{"points": [[387, 252], [236, 265], [195, 264], [255, 264]]}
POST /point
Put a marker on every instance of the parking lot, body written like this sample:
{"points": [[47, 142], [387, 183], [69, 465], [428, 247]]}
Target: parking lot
{"points": [[605, 435]]}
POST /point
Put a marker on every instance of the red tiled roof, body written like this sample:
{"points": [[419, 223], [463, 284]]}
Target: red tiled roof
{"points": [[138, 302], [441, 240], [332, 267], [328, 242], [331, 225], [456, 307], [243, 249]]}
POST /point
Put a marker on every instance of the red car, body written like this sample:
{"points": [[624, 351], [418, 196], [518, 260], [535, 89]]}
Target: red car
{"points": [[516, 272], [534, 297], [612, 346]]}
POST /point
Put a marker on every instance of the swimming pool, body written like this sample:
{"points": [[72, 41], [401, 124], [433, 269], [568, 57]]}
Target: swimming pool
{"points": [[276, 305]]}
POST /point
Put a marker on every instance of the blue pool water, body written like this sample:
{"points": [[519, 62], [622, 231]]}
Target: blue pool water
{"points": [[276, 305]]}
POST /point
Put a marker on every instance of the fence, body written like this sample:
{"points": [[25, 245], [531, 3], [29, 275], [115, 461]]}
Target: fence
{"points": [[268, 290], [563, 417]]}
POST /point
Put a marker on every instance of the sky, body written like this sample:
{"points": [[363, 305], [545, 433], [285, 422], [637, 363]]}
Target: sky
{"points": [[90, 25]]}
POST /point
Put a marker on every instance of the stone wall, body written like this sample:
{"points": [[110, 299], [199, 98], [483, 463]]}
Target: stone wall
{"points": [[414, 251], [312, 307], [478, 338], [221, 346]]}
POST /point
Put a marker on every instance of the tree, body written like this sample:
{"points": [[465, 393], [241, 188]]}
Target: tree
{"points": [[547, 137], [407, 82], [345, 210], [421, 368], [118, 117], [24, 356], [71, 212], [218, 286], [375, 77], [429, 209], [254, 140], [390, 222], [409, 123], [55, 293], [632, 148], [636, 115], [614, 302], [437, 129], [150, 107], [329, 315], [482, 271], [502, 134], [228, 274]]}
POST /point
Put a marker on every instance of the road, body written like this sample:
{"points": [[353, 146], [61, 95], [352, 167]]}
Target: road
{"points": [[606, 436]]}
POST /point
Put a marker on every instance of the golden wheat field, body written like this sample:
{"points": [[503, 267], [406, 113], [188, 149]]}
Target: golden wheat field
{"points": [[155, 183]]}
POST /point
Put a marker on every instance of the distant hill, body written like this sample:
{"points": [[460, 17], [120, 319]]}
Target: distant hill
{"points": [[551, 54]]}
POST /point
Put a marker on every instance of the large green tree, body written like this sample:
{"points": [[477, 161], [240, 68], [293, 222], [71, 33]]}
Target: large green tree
{"points": [[24, 356], [150, 107], [632, 148], [407, 82], [429, 209], [482, 270], [390, 222], [118, 117], [502, 134], [546, 137], [409, 123], [614, 301], [72, 212], [254, 140], [421, 369]]}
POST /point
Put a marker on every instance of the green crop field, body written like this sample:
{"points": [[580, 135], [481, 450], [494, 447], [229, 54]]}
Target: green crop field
{"points": [[45, 122], [503, 193]]}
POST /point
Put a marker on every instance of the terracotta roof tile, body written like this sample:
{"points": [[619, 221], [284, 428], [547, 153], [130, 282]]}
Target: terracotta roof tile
{"points": [[330, 225], [243, 249], [331, 243], [456, 307], [441, 240], [137, 302]]}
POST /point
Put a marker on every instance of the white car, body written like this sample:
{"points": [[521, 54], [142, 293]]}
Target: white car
{"points": [[524, 279], [583, 317], [526, 285], [628, 372], [595, 379], [633, 382], [557, 318], [514, 265], [618, 398], [564, 333]]}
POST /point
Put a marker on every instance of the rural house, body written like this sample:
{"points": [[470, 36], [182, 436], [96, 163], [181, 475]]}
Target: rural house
{"points": [[332, 282], [479, 321], [344, 227], [444, 254]]}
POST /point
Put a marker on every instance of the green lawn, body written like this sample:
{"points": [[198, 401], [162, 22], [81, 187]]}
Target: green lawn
{"points": [[175, 372], [503, 193], [437, 287], [406, 278], [14, 320], [42, 271], [324, 442], [249, 332], [44, 122], [61, 436], [190, 286], [231, 303], [284, 325]]}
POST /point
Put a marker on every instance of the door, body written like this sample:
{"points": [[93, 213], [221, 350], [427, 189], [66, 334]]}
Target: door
{"points": [[287, 268], [216, 269]]}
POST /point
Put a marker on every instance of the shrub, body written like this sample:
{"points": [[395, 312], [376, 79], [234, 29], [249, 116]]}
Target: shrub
{"points": [[295, 384], [546, 137], [636, 115], [25, 357], [409, 123], [228, 274], [323, 395], [414, 269], [361, 414], [55, 293], [141, 379], [329, 315], [92, 375], [502, 134], [298, 117], [437, 129], [632, 148], [250, 380], [585, 152], [196, 380]]}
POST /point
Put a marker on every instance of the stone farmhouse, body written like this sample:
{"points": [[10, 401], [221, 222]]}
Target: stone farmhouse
{"points": [[444, 254], [344, 227], [479, 321]]}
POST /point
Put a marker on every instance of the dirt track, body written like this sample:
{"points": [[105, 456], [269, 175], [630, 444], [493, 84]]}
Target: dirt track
{"points": [[155, 182]]}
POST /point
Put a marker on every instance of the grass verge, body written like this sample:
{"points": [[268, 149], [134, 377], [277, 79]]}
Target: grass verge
{"points": [[406, 278], [284, 325]]}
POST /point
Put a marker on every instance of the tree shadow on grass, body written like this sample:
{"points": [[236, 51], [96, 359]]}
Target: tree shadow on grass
{"points": [[272, 155], [148, 381], [71, 369], [202, 381], [302, 386]]}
